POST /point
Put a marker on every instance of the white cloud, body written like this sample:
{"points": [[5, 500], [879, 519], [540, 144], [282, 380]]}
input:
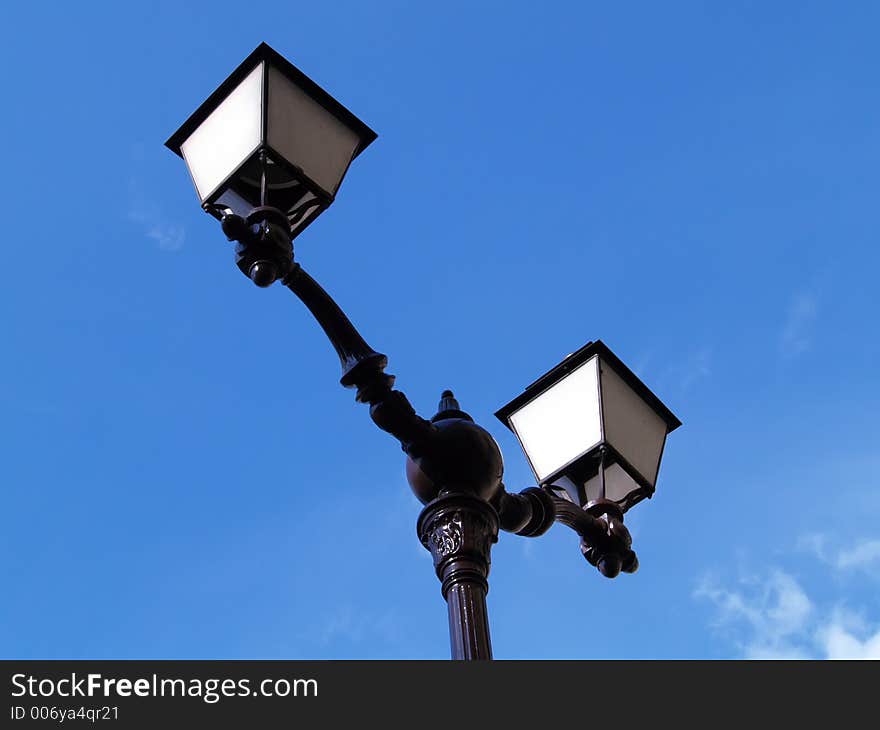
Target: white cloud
{"points": [[767, 615], [169, 237], [692, 368], [797, 332], [838, 641], [696, 368], [146, 214], [351, 626], [773, 618], [863, 556]]}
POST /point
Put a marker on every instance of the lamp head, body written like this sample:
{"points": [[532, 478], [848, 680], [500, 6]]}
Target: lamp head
{"points": [[591, 429], [269, 135]]}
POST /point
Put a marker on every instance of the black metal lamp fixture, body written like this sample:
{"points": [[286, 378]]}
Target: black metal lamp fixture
{"points": [[269, 134], [267, 152], [593, 434]]}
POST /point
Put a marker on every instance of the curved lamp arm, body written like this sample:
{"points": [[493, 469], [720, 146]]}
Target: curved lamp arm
{"points": [[264, 253], [362, 367], [605, 541]]}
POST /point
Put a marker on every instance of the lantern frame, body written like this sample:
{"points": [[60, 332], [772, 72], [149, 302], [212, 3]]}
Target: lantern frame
{"points": [[601, 455], [263, 151]]}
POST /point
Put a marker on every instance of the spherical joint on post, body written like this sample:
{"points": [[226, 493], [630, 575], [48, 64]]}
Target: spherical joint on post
{"points": [[459, 457]]}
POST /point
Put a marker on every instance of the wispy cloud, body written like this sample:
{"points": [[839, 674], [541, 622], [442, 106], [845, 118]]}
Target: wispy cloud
{"points": [[169, 236], [863, 556], [351, 627], [848, 636], [766, 616], [797, 331], [696, 367], [772, 617], [686, 372]]}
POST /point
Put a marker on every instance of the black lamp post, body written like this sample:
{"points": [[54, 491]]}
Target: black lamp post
{"points": [[267, 152]]}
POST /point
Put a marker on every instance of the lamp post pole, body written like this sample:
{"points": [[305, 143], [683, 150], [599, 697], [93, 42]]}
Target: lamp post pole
{"points": [[459, 530]]}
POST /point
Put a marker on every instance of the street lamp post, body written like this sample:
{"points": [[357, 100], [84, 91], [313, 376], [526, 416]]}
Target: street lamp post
{"points": [[267, 152]]}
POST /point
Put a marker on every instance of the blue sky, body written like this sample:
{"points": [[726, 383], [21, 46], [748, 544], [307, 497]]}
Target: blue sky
{"points": [[183, 477]]}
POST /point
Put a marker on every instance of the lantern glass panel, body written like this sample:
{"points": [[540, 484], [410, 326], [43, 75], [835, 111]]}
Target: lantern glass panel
{"points": [[563, 422], [632, 427], [307, 134], [226, 138], [618, 485]]}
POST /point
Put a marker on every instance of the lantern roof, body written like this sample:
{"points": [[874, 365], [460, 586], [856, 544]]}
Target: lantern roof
{"points": [[261, 53], [576, 359]]}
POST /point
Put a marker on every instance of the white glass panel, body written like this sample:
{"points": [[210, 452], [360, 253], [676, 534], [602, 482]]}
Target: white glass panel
{"points": [[565, 488], [306, 134], [225, 139], [631, 425], [617, 485], [308, 215], [561, 423]]}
